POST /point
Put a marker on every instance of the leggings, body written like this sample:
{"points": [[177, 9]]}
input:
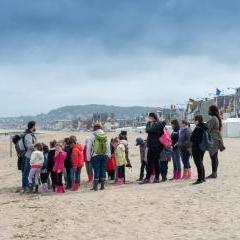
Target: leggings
{"points": [[215, 162], [153, 162], [111, 174], [198, 159], [59, 179], [121, 172]]}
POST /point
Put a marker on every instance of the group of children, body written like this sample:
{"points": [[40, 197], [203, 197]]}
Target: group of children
{"points": [[65, 159]]}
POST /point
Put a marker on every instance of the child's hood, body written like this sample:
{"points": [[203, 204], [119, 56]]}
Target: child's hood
{"points": [[78, 147], [124, 142]]}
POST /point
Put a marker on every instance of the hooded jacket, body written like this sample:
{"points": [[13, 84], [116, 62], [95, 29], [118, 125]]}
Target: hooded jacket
{"points": [[59, 160], [197, 136], [77, 156], [90, 142], [120, 154]]}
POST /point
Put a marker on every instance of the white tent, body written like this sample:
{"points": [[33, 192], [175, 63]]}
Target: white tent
{"points": [[231, 127]]}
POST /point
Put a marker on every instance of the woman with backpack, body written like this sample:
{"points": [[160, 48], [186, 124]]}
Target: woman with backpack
{"points": [[98, 151], [184, 145], [197, 152], [214, 128], [154, 129]]}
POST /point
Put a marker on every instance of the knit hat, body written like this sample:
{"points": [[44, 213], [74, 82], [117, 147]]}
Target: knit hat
{"points": [[139, 141]]}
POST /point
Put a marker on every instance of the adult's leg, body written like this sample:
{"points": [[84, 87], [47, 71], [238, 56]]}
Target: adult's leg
{"points": [[96, 166], [156, 160], [178, 160], [142, 170], [215, 162], [102, 168], [26, 171], [198, 159], [150, 161]]}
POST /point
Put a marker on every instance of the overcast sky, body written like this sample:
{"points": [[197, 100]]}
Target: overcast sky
{"points": [[128, 52]]}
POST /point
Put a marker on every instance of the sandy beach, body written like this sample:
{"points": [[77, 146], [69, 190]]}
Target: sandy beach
{"points": [[172, 210]]}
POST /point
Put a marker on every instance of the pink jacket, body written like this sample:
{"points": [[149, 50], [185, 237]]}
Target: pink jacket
{"points": [[59, 160]]}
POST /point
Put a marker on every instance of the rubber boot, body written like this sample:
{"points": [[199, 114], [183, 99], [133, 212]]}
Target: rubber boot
{"points": [[95, 185], [30, 188], [185, 174], [36, 189], [178, 175], [174, 175], [189, 173], [74, 187], [102, 185]]}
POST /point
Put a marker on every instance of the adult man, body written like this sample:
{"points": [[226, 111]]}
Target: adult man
{"points": [[27, 143]]}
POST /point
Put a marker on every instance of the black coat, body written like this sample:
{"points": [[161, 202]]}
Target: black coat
{"points": [[175, 137], [51, 155], [68, 161], [155, 131], [197, 136]]}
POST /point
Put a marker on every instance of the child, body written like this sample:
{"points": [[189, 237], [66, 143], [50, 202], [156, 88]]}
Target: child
{"points": [[123, 137], [143, 149], [111, 163], [77, 162], [88, 163], [58, 168], [36, 163], [51, 156], [68, 163], [177, 170], [165, 157], [121, 161], [44, 170], [184, 144]]}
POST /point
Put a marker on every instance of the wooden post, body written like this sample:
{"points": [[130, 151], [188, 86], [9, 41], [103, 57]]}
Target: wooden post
{"points": [[11, 146]]}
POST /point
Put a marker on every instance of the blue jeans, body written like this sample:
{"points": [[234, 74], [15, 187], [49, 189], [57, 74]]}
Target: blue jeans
{"points": [[176, 160], [25, 173], [185, 155], [99, 164], [76, 173]]}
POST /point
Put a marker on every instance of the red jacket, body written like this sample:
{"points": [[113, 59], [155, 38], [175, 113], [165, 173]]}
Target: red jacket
{"points": [[77, 156], [59, 160], [111, 164]]}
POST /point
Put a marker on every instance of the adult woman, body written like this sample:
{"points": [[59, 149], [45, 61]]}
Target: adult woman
{"points": [[154, 130], [184, 144], [197, 152], [214, 128], [176, 150]]}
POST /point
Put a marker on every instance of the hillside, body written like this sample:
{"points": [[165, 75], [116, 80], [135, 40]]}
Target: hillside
{"points": [[72, 112]]}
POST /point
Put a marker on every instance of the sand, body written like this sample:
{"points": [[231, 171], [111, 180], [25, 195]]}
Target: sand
{"points": [[171, 210]]}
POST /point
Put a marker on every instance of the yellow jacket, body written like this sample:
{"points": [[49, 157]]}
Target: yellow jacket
{"points": [[120, 155]]}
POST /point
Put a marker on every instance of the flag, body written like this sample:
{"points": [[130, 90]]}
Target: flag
{"points": [[218, 92]]}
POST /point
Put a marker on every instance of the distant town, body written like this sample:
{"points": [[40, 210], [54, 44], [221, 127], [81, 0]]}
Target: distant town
{"points": [[229, 106]]}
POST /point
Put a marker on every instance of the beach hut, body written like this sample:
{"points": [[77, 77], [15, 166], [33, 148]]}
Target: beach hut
{"points": [[231, 127]]}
